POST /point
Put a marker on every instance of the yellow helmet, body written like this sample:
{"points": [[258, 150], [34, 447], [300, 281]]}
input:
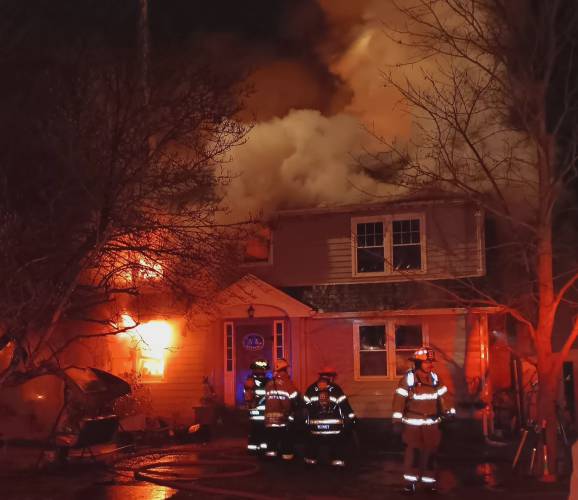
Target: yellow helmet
{"points": [[281, 364], [423, 354]]}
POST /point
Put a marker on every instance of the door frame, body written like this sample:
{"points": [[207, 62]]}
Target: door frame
{"points": [[279, 349]]}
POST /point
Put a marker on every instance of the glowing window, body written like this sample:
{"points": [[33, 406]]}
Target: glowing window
{"points": [[152, 340]]}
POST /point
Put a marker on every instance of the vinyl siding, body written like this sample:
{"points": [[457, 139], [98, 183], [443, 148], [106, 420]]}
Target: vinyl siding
{"points": [[455, 339], [317, 248]]}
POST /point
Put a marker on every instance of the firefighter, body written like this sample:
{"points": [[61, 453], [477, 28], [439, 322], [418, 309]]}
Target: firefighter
{"points": [[254, 393], [420, 401], [281, 402], [329, 418]]}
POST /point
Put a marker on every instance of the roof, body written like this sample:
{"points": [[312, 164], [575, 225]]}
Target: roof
{"points": [[265, 299], [389, 203], [387, 296]]}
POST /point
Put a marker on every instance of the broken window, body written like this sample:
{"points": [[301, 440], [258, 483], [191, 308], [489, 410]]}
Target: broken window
{"points": [[258, 246]]}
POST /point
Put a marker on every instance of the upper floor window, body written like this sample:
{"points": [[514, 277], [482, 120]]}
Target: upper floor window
{"points": [[388, 244], [406, 244], [370, 247], [257, 246]]}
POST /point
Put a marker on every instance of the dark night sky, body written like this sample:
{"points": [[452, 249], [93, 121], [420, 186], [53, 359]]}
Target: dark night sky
{"points": [[313, 64]]}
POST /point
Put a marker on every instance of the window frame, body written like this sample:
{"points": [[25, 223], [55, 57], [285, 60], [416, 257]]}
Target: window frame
{"points": [[261, 263], [364, 220], [387, 221], [390, 348], [279, 349]]}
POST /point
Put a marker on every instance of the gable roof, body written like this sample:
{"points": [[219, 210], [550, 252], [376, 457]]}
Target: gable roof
{"points": [[265, 299]]}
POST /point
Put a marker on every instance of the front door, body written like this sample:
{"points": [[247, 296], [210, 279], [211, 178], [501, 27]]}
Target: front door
{"points": [[253, 341]]}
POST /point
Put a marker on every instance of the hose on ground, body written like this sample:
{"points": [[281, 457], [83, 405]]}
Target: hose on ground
{"points": [[165, 473]]}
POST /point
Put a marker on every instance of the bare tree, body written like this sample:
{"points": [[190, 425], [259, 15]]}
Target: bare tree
{"points": [[103, 192], [492, 87]]}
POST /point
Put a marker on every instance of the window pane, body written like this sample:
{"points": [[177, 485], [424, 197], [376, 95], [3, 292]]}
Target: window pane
{"points": [[370, 260], [402, 362], [372, 337], [370, 234], [372, 363], [407, 257], [408, 336]]}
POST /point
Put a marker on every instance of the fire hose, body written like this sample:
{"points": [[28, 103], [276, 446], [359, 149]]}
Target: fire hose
{"points": [[170, 473]]}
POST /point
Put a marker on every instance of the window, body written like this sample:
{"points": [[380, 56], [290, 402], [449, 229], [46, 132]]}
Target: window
{"points": [[406, 244], [388, 244], [408, 338], [150, 343], [229, 346], [382, 349], [370, 247], [258, 246], [372, 348], [279, 327]]}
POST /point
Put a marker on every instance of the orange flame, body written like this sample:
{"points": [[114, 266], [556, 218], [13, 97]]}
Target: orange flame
{"points": [[153, 339]]}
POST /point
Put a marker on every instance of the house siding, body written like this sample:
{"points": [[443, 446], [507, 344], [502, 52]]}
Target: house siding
{"points": [[316, 248], [181, 388], [454, 337]]}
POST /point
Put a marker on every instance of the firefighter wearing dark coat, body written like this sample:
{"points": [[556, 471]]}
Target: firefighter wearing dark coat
{"points": [[254, 394], [281, 402], [329, 418], [420, 401]]}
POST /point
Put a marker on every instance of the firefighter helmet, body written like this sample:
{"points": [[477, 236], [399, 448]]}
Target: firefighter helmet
{"points": [[423, 354], [259, 364], [281, 364], [328, 370]]}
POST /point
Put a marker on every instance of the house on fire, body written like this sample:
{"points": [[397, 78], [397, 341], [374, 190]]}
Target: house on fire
{"points": [[357, 287], [360, 288]]}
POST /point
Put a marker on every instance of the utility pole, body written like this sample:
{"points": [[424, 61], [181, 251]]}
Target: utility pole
{"points": [[144, 49]]}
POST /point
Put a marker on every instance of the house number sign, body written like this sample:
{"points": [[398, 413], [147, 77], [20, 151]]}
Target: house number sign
{"points": [[253, 342]]}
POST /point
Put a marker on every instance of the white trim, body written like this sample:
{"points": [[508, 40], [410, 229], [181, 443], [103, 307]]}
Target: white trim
{"points": [[361, 315], [356, 352], [390, 350], [387, 221], [383, 219], [283, 340], [229, 375], [234, 300], [422, 241], [424, 338]]}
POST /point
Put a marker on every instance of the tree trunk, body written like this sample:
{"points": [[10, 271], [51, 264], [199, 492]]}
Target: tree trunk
{"points": [[547, 373], [548, 421]]}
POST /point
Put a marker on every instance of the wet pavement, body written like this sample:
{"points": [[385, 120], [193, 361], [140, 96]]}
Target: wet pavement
{"points": [[222, 470]]}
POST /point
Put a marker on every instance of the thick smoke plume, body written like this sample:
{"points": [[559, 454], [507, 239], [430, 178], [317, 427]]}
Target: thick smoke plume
{"points": [[312, 131]]}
